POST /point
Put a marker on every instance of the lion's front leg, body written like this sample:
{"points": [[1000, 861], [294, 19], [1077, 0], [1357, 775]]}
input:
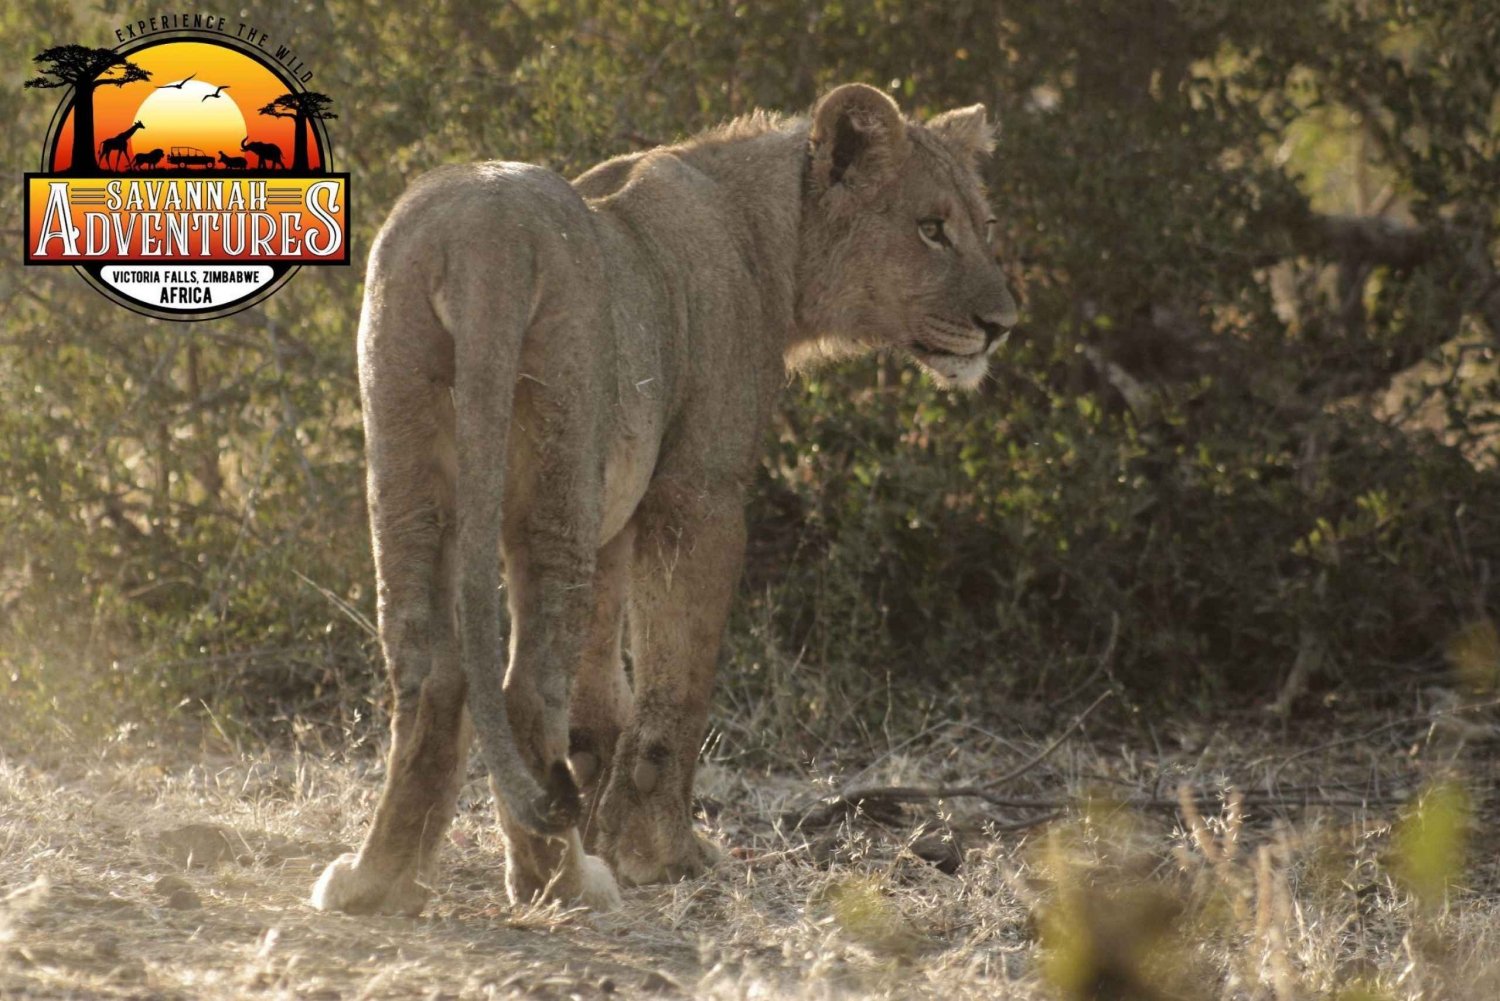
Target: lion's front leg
{"points": [[690, 543]]}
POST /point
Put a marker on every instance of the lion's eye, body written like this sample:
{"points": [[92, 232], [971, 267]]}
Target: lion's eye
{"points": [[932, 232]]}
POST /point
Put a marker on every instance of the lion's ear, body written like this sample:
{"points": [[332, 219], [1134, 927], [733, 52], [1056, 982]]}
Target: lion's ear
{"points": [[858, 137], [967, 130]]}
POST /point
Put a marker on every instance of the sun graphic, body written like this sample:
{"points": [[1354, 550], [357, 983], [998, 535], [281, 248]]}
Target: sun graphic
{"points": [[175, 107], [190, 115]]}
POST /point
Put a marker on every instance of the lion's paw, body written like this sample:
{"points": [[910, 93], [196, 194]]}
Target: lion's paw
{"points": [[710, 853], [597, 888], [348, 886], [695, 856]]}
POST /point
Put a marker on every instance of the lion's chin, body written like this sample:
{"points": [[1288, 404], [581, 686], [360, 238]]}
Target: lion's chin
{"points": [[953, 370]]}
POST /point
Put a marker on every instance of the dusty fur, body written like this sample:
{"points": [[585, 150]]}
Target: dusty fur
{"points": [[573, 380]]}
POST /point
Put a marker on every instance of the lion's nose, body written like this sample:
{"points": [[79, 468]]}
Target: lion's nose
{"points": [[998, 318], [995, 325]]}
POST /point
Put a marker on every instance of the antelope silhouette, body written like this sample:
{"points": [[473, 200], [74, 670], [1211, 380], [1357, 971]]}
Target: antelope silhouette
{"points": [[178, 84], [232, 162], [264, 153], [215, 93], [115, 145], [150, 159]]}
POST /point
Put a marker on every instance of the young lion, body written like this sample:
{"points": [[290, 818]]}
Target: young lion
{"points": [[574, 380]]}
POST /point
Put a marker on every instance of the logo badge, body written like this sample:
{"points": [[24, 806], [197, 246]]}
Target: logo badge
{"points": [[186, 174]]}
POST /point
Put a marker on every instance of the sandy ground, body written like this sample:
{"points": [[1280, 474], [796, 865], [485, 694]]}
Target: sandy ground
{"points": [[148, 868]]}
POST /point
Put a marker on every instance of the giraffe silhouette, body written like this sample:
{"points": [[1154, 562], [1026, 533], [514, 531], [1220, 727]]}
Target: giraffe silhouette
{"points": [[115, 145]]}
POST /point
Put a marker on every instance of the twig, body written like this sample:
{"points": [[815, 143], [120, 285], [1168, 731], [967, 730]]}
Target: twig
{"points": [[1056, 806], [1046, 752], [1428, 717], [351, 613], [1011, 826], [844, 801], [1259, 799], [1102, 665]]}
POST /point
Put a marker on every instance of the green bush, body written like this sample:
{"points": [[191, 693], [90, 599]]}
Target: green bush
{"points": [[1233, 227]]}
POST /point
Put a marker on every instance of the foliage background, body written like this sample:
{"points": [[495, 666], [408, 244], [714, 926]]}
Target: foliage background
{"points": [[1241, 448]]}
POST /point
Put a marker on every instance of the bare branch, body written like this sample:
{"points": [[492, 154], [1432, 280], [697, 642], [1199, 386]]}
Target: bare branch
{"points": [[850, 799]]}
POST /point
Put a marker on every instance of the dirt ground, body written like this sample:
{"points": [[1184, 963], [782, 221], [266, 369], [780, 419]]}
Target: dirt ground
{"points": [[1357, 861]]}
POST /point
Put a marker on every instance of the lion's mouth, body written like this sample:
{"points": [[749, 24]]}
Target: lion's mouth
{"points": [[940, 337], [933, 351], [957, 353]]}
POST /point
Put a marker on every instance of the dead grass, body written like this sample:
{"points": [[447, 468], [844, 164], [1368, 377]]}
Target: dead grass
{"points": [[149, 868]]}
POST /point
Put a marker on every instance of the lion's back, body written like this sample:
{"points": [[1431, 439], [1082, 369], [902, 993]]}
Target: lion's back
{"points": [[490, 207], [466, 244]]}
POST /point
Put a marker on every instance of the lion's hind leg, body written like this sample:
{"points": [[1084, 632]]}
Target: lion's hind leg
{"points": [[549, 574], [601, 693], [411, 521]]}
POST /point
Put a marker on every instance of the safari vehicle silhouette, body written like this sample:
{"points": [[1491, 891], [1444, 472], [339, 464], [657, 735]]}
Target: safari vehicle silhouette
{"points": [[190, 156]]}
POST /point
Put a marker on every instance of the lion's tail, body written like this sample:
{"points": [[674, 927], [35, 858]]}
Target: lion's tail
{"points": [[487, 308], [418, 338]]}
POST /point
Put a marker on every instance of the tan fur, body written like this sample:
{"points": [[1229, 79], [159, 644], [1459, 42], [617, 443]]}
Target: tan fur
{"points": [[574, 380]]}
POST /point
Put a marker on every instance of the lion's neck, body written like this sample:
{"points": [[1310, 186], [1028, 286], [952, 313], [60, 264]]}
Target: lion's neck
{"points": [[762, 174], [761, 163]]}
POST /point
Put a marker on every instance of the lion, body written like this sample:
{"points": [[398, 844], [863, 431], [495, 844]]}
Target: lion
{"points": [[565, 386]]}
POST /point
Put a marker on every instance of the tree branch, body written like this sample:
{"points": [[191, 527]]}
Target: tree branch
{"points": [[845, 802], [1365, 240]]}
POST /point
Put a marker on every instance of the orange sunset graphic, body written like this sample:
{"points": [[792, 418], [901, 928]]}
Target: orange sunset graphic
{"points": [[200, 107], [186, 178]]}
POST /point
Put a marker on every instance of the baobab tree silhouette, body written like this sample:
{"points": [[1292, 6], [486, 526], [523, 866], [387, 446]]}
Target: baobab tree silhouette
{"points": [[84, 69], [304, 107]]}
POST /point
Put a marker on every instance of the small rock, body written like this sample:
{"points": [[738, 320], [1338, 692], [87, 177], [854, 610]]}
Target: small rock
{"points": [[657, 983], [824, 849], [204, 845], [168, 885], [606, 985], [184, 900], [943, 850], [131, 971]]}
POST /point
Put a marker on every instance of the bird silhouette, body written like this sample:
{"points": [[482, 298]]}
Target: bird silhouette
{"points": [[178, 84], [215, 93]]}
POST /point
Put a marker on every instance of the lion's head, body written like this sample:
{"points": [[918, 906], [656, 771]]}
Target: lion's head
{"points": [[897, 236]]}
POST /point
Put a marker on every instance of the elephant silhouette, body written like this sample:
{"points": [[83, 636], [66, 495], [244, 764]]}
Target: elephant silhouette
{"points": [[264, 153]]}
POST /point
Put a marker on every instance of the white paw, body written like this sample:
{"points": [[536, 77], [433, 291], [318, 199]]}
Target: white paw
{"points": [[339, 884], [597, 888], [346, 886]]}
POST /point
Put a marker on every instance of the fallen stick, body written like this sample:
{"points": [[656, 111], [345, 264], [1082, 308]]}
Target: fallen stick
{"points": [[1427, 717], [835, 807], [830, 807]]}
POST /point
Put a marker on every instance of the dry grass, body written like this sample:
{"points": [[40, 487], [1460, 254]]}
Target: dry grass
{"points": [[1212, 896]]}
